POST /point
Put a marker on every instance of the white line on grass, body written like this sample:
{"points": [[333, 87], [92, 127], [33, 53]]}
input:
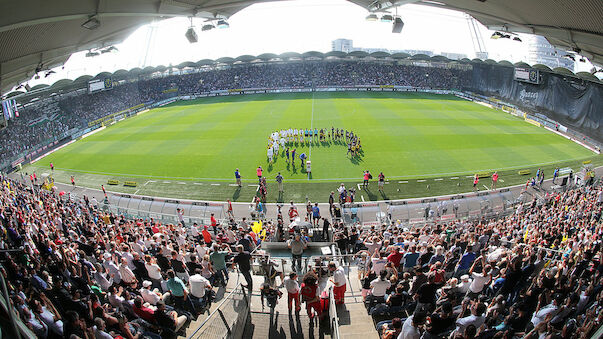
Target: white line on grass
{"points": [[197, 183], [166, 182], [358, 185], [232, 185], [438, 179], [469, 176], [486, 187], [315, 179], [181, 183], [362, 197], [215, 184], [454, 178], [421, 180], [403, 182]]}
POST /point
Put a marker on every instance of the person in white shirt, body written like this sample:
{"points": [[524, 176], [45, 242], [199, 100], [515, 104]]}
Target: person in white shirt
{"points": [[292, 287], [48, 314], [126, 273], [541, 313], [153, 270], [151, 296], [378, 288], [339, 282], [199, 287], [476, 318], [479, 279], [99, 329], [111, 268], [198, 284]]}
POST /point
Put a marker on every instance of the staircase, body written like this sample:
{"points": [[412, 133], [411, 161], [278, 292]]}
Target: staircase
{"points": [[283, 326]]}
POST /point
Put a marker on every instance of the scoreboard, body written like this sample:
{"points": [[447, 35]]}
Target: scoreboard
{"points": [[529, 75], [100, 85]]}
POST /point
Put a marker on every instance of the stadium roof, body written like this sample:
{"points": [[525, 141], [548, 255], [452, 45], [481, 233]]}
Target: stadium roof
{"points": [[39, 35], [570, 24]]}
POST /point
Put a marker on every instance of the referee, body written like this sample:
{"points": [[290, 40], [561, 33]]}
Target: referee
{"points": [[279, 180]]}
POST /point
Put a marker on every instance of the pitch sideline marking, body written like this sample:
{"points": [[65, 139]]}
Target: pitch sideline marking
{"points": [[486, 187], [362, 196], [298, 180], [438, 179]]}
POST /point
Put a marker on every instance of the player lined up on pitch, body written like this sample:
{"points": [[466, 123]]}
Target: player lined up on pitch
{"points": [[290, 137]]}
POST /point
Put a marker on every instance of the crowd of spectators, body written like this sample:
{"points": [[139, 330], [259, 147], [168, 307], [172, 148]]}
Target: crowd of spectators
{"points": [[84, 273], [534, 274], [77, 109]]}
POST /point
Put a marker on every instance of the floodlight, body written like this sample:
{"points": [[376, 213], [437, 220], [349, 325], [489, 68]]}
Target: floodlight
{"points": [[191, 35], [517, 39], [207, 27], [387, 18], [372, 17], [91, 23], [496, 35], [223, 24]]}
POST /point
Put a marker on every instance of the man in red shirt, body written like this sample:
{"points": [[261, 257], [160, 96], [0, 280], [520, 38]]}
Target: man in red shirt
{"points": [[229, 211], [395, 257], [143, 312], [214, 224], [206, 235]]}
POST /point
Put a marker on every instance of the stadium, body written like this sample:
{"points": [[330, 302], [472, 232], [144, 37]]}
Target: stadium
{"points": [[340, 194]]}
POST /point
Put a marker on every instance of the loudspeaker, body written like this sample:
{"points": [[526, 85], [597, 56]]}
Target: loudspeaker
{"points": [[191, 35], [397, 25]]}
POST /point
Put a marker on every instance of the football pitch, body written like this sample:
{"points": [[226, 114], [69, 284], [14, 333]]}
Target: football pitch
{"points": [[406, 136]]}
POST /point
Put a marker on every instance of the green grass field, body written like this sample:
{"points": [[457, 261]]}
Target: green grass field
{"points": [[407, 136]]}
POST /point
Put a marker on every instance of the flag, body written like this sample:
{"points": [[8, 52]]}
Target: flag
{"points": [[257, 227]]}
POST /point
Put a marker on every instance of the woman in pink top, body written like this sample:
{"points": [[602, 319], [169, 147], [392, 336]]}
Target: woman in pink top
{"points": [[259, 172], [494, 180]]}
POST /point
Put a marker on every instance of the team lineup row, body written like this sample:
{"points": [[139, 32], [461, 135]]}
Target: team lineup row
{"points": [[281, 139]]}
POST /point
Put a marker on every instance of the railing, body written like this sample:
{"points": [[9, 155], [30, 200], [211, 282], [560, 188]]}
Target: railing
{"points": [[17, 329], [163, 210], [333, 318], [228, 319]]}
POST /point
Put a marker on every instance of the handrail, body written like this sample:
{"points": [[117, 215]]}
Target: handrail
{"points": [[333, 315], [213, 314]]}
